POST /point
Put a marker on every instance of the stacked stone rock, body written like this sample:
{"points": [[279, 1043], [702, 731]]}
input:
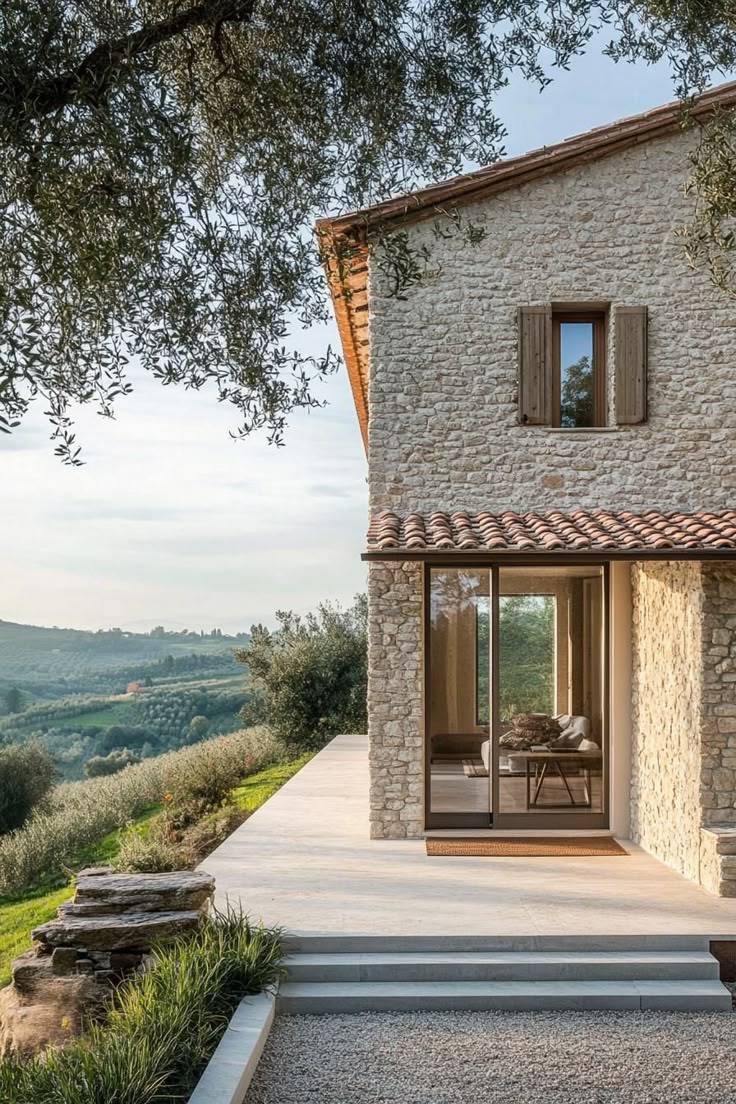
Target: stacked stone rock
{"points": [[105, 934]]}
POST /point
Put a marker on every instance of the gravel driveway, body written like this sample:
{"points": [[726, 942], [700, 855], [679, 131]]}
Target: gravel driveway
{"points": [[499, 1058]]}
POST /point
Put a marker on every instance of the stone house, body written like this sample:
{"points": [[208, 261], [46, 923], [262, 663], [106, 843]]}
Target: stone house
{"points": [[549, 416]]}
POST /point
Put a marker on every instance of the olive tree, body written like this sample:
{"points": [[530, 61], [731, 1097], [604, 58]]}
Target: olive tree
{"points": [[309, 676], [163, 161], [27, 774]]}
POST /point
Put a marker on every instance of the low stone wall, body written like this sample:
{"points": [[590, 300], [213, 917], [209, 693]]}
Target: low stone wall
{"points": [[105, 934], [718, 861]]}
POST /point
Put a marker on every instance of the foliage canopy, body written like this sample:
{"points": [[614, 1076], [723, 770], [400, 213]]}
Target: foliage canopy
{"points": [[310, 675], [163, 161], [27, 773]]}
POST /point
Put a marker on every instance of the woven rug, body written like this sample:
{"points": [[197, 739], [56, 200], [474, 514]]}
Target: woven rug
{"points": [[474, 768], [533, 847]]}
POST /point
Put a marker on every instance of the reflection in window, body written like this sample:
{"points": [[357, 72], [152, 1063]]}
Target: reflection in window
{"points": [[482, 659], [526, 640], [577, 394]]}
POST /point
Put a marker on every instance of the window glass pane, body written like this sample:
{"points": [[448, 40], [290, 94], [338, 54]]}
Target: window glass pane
{"points": [[576, 374], [551, 730], [459, 747]]}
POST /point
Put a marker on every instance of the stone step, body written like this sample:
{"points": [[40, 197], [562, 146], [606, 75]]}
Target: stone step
{"points": [[398, 944], [131, 929], [503, 966], [314, 998], [180, 890]]}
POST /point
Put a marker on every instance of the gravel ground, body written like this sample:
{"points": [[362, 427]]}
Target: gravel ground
{"points": [[499, 1058]]}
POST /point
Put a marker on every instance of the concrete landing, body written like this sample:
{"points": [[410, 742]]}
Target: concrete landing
{"points": [[305, 861]]}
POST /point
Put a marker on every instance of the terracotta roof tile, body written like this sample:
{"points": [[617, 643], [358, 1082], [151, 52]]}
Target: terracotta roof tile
{"points": [[554, 531]]}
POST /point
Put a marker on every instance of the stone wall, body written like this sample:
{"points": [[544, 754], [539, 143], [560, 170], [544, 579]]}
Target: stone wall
{"points": [[683, 754], [395, 707], [665, 736], [718, 722], [443, 393]]}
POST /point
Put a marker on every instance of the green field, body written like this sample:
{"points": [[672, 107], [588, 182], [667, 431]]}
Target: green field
{"points": [[116, 714]]}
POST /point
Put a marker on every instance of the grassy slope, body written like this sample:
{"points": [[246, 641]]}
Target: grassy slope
{"points": [[19, 915], [257, 788]]}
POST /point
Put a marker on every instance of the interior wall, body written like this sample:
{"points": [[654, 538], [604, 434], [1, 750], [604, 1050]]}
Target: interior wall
{"points": [[620, 699], [666, 696]]}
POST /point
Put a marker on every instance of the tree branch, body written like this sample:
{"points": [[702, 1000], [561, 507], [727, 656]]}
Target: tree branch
{"points": [[104, 64]]}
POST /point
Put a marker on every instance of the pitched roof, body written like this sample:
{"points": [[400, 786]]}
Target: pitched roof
{"points": [[343, 238], [604, 532]]}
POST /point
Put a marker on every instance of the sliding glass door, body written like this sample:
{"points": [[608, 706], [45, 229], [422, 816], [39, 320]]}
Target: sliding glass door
{"points": [[516, 697], [550, 740], [458, 679]]}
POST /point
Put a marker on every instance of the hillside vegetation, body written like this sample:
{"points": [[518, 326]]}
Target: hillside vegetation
{"points": [[53, 662], [112, 698]]}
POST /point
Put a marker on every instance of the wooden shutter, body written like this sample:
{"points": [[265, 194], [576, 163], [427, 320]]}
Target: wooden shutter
{"points": [[630, 359], [535, 365]]}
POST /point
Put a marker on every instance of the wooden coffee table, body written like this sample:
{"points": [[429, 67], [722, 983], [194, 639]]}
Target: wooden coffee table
{"points": [[546, 762]]}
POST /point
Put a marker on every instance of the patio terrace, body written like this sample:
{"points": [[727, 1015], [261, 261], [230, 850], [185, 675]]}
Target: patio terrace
{"points": [[305, 861]]}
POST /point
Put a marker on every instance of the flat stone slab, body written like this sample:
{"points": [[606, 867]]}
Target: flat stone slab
{"points": [[177, 891], [131, 929]]}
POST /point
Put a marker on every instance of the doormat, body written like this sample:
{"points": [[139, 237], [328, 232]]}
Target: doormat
{"points": [[533, 847], [474, 768]]}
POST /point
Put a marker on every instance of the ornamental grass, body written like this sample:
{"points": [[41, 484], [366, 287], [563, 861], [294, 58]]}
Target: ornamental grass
{"points": [[162, 1027]]}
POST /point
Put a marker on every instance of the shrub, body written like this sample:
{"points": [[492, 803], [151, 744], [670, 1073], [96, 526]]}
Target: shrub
{"points": [[152, 852], [167, 844], [100, 765], [202, 782], [310, 676], [198, 727], [27, 773], [81, 813], [163, 1028]]}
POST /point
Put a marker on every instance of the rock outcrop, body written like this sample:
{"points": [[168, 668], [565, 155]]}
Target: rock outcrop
{"points": [[106, 933]]}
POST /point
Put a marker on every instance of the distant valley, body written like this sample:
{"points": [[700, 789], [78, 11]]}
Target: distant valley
{"points": [[99, 700]]}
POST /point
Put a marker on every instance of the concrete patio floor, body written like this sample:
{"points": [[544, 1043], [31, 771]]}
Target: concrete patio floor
{"points": [[304, 861]]}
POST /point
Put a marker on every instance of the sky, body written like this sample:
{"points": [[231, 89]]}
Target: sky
{"points": [[172, 522]]}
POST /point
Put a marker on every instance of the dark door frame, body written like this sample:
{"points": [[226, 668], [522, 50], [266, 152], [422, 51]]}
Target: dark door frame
{"points": [[493, 819]]}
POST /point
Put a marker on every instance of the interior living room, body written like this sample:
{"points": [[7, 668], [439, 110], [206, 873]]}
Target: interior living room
{"points": [[517, 727]]}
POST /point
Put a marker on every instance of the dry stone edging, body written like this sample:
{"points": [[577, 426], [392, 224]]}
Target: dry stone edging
{"points": [[119, 931], [105, 934], [182, 890]]}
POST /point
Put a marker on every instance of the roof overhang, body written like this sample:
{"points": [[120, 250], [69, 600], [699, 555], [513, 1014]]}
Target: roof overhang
{"points": [[521, 559], [344, 239], [552, 536]]}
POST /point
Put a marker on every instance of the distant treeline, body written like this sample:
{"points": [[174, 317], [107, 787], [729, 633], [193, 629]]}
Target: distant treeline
{"points": [[116, 679]]}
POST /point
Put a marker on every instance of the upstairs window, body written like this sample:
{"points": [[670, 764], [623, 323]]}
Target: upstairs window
{"points": [[562, 366], [578, 370]]}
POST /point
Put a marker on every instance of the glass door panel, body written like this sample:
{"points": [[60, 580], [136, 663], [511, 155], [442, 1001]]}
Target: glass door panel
{"points": [[458, 698], [549, 732]]}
